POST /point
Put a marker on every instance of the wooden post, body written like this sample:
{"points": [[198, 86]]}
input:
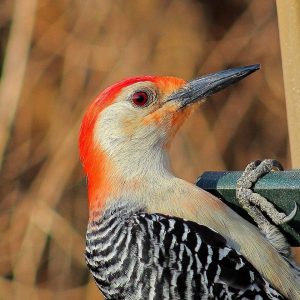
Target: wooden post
{"points": [[289, 31]]}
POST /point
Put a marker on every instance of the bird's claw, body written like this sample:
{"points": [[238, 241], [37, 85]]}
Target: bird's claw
{"points": [[291, 216], [248, 198], [255, 204]]}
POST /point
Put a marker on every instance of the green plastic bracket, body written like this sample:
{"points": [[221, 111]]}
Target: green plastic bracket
{"points": [[282, 188]]}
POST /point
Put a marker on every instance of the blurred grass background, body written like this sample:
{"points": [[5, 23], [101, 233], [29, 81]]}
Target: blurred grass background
{"points": [[57, 55]]}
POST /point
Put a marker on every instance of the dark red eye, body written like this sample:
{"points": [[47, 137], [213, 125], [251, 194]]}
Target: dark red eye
{"points": [[140, 98]]}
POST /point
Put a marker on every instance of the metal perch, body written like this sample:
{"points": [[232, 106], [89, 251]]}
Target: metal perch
{"points": [[280, 188]]}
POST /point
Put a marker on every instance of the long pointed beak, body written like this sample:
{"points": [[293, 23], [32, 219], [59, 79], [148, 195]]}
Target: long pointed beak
{"points": [[207, 85]]}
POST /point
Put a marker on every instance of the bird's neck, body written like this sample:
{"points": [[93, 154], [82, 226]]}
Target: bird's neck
{"points": [[118, 177]]}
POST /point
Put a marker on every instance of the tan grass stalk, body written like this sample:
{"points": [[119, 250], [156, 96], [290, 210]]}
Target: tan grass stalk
{"points": [[15, 63]]}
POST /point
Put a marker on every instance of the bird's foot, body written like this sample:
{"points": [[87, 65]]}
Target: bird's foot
{"points": [[256, 204], [247, 197]]}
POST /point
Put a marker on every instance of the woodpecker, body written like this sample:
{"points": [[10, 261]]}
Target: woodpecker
{"points": [[152, 235]]}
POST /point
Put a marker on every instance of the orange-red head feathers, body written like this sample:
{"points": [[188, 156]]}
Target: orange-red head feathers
{"points": [[122, 119]]}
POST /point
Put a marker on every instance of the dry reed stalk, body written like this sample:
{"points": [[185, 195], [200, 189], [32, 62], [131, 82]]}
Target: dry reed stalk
{"points": [[15, 63]]}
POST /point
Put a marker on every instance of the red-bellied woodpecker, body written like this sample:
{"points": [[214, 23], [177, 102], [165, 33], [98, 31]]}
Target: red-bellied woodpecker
{"points": [[152, 235]]}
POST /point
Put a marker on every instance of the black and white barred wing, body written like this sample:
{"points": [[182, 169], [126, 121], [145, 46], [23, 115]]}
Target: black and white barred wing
{"points": [[136, 256], [179, 259]]}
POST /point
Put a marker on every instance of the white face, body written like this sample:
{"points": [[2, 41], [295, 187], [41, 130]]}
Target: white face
{"points": [[122, 133]]}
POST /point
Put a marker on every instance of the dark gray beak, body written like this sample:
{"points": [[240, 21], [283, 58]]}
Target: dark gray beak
{"points": [[207, 85]]}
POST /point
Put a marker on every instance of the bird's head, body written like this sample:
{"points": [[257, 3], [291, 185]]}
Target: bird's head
{"points": [[127, 128]]}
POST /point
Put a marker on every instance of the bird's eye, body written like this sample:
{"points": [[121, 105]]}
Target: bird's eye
{"points": [[140, 98]]}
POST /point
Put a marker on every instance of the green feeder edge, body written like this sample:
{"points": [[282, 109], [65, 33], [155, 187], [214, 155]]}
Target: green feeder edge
{"points": [[282, 188]]}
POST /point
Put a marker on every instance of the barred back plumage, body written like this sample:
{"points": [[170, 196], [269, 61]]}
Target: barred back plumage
{"points": [[136, 255]]}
